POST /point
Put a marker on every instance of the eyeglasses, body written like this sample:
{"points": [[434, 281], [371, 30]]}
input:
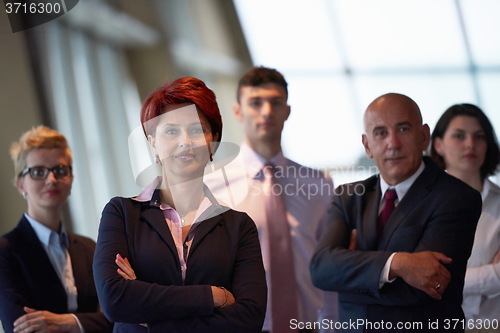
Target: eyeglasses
{"points": [[40, 173]]}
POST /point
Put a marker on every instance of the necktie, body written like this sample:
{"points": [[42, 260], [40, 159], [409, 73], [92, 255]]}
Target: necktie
{"points": [[283, 286], [58, 249], [390, 196]]}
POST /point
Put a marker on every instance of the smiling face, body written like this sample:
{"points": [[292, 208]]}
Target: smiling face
{"points": [[182, 142], [50, 193], [463, 145], [395, 137]]}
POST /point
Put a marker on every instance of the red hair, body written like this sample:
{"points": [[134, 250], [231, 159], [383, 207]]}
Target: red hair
{"points": [[182, 90]]}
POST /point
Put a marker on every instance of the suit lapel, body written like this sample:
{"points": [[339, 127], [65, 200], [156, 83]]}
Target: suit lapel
{"points": [[369, 227], [155, 218], [204, 228], [81, 260], [34, 254], [36, 259], [152, 214], [210, 218], [78, 266], [418, 191]]}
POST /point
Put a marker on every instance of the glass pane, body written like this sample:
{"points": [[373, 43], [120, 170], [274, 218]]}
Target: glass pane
{"points": [[433, 93], [338, 55], [489, 84], [483, 29], [324, 129], [396, 34], [289, 34]]}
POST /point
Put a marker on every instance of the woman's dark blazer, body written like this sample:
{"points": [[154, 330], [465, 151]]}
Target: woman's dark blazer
{"points": [[27, 278], [225, 252]]}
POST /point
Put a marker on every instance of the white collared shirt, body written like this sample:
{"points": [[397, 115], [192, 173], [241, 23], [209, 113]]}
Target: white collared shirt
{"points": [[482, 278], [55, 245], [401, 190]]}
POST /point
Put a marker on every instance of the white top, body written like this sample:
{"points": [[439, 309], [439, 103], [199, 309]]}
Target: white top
{"points": [[307, 197], [56, 247], [482, 279]]}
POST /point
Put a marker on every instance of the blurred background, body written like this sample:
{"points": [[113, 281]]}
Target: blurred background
{"points": [[87, 72]]}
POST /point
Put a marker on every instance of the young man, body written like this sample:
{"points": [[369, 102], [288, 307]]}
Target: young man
{"points": [[300, 196], [415, 228]]}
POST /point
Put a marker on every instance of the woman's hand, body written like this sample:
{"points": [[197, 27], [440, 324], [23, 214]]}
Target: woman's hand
{"points": [[222, 297], [125, 269], [45, 321]]}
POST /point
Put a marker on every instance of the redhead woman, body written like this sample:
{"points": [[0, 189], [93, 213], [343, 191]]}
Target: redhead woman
{"points": [[464, 143], [197, 265]]}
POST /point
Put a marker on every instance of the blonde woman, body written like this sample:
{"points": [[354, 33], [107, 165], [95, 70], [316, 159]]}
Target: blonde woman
{"points": [[46, 282]]}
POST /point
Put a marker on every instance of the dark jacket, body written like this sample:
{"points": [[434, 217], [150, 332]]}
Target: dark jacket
{"points": [[27, 278], [438, 213], [225, 252]]}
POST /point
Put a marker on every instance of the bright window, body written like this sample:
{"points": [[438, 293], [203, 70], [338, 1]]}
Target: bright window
{"points": [[338, 55]]}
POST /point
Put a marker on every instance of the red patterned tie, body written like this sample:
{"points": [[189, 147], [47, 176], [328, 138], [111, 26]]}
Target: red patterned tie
{"points": [[390, 196], [283, 288]]}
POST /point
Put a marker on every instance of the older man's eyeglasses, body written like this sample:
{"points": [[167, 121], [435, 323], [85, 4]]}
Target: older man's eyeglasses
{"points": [[40, 173]]}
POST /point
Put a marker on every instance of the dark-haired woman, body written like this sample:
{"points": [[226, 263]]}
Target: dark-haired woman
{"points": [[464, 143]]}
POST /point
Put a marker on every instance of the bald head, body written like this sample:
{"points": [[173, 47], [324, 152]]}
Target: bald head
{"points": [[391, 103]]}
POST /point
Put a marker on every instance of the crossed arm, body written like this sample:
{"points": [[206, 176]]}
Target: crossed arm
{"points": [[423, 270], [421, 253], [228, 256], [221, 296]]}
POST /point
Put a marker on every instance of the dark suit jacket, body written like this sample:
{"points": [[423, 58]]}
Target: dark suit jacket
{"points": [[438, 213], [225, 252], [27, 278]]}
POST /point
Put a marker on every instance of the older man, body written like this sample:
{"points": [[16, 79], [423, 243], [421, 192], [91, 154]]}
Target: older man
{"points": [[415, 228]]}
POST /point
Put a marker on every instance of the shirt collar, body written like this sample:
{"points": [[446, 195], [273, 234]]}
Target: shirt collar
{"points": [[208, 205], [486, 189], [44, 234], [255, 162], [148, 192], [403, 187]]}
